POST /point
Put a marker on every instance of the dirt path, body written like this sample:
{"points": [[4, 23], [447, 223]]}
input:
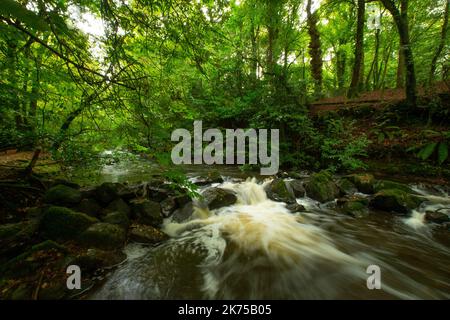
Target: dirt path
{"points": [[374, 99]]}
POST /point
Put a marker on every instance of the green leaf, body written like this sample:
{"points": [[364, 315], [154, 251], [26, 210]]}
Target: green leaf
{"points": [[381, 137], [15, 10], [442, 152], [427, 151]]}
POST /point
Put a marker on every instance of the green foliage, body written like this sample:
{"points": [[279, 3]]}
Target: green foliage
{"points": [[340, 149], [230, 65], [442, 152], [437, 149], [427, 151], [15, 10]]}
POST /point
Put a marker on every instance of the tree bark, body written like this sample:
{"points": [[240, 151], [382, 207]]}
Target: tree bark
{"points": [[315, 50], [441, 44], [358, 66], [401, 21]]}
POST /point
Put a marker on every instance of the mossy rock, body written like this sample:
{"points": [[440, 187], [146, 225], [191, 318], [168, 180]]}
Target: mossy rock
{"points": [[89, 206], [62, 195], [321, 187], [295, 207], [59, 223], [107, 192], [356, 207], [394, 200], [31, 260], [118, 205], [279, 190], [436, 217], [103, 235], [363, 181], [118, 218], [147, 212], [146, 234], [214, 176], [297, 188], [346, 187], [183, 214], [215, 198], [94, 259], [387, 184]]}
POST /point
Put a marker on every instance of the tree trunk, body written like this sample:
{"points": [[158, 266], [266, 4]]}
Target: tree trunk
{"points": [[315, 50], [401, 21], [400, 70], [341, 62], [441, 44], [358, 66], [254, 62]]}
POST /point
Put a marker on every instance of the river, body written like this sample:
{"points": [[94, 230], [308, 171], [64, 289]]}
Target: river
{"points": [[257, 249]]}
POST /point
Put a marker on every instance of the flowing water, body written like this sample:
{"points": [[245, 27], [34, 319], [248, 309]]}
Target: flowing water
{"points": [[257, 249]]}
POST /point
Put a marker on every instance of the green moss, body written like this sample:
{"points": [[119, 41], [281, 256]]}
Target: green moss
{"points": [[386, 184], [395, 200], [279, 191], [345, 186], [356, 207], [59, 223], [321, 187], [117, 218], [62, 195], [363, 182], [103, 236]]}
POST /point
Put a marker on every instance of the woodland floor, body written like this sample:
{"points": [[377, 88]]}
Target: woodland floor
{"points": [[375, 99]]}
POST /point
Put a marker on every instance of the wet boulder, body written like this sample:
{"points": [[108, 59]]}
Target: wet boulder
{"points": [[182, 199], [62, 195], [59, 223], [354, 206], [87, 192], [147, 212], [129, 192], [436, 217], [168, 206], [118, 205], [364, 182], [386, 184], [146, 234], [103, 235], [89, 206], [118, 218], [346, 187], [394, 200], [94, 259], [210, 177], [295, 207], [215, 198], [183, 214], [321, 187], [157, 193], [280, 190], [107, 192], [297, 188]]}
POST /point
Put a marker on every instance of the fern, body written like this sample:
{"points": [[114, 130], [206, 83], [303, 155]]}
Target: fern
{"points": [[427, 151], [442, 152]]}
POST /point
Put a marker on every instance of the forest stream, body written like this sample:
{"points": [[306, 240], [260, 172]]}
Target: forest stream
{"points": [[258, 249]]}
